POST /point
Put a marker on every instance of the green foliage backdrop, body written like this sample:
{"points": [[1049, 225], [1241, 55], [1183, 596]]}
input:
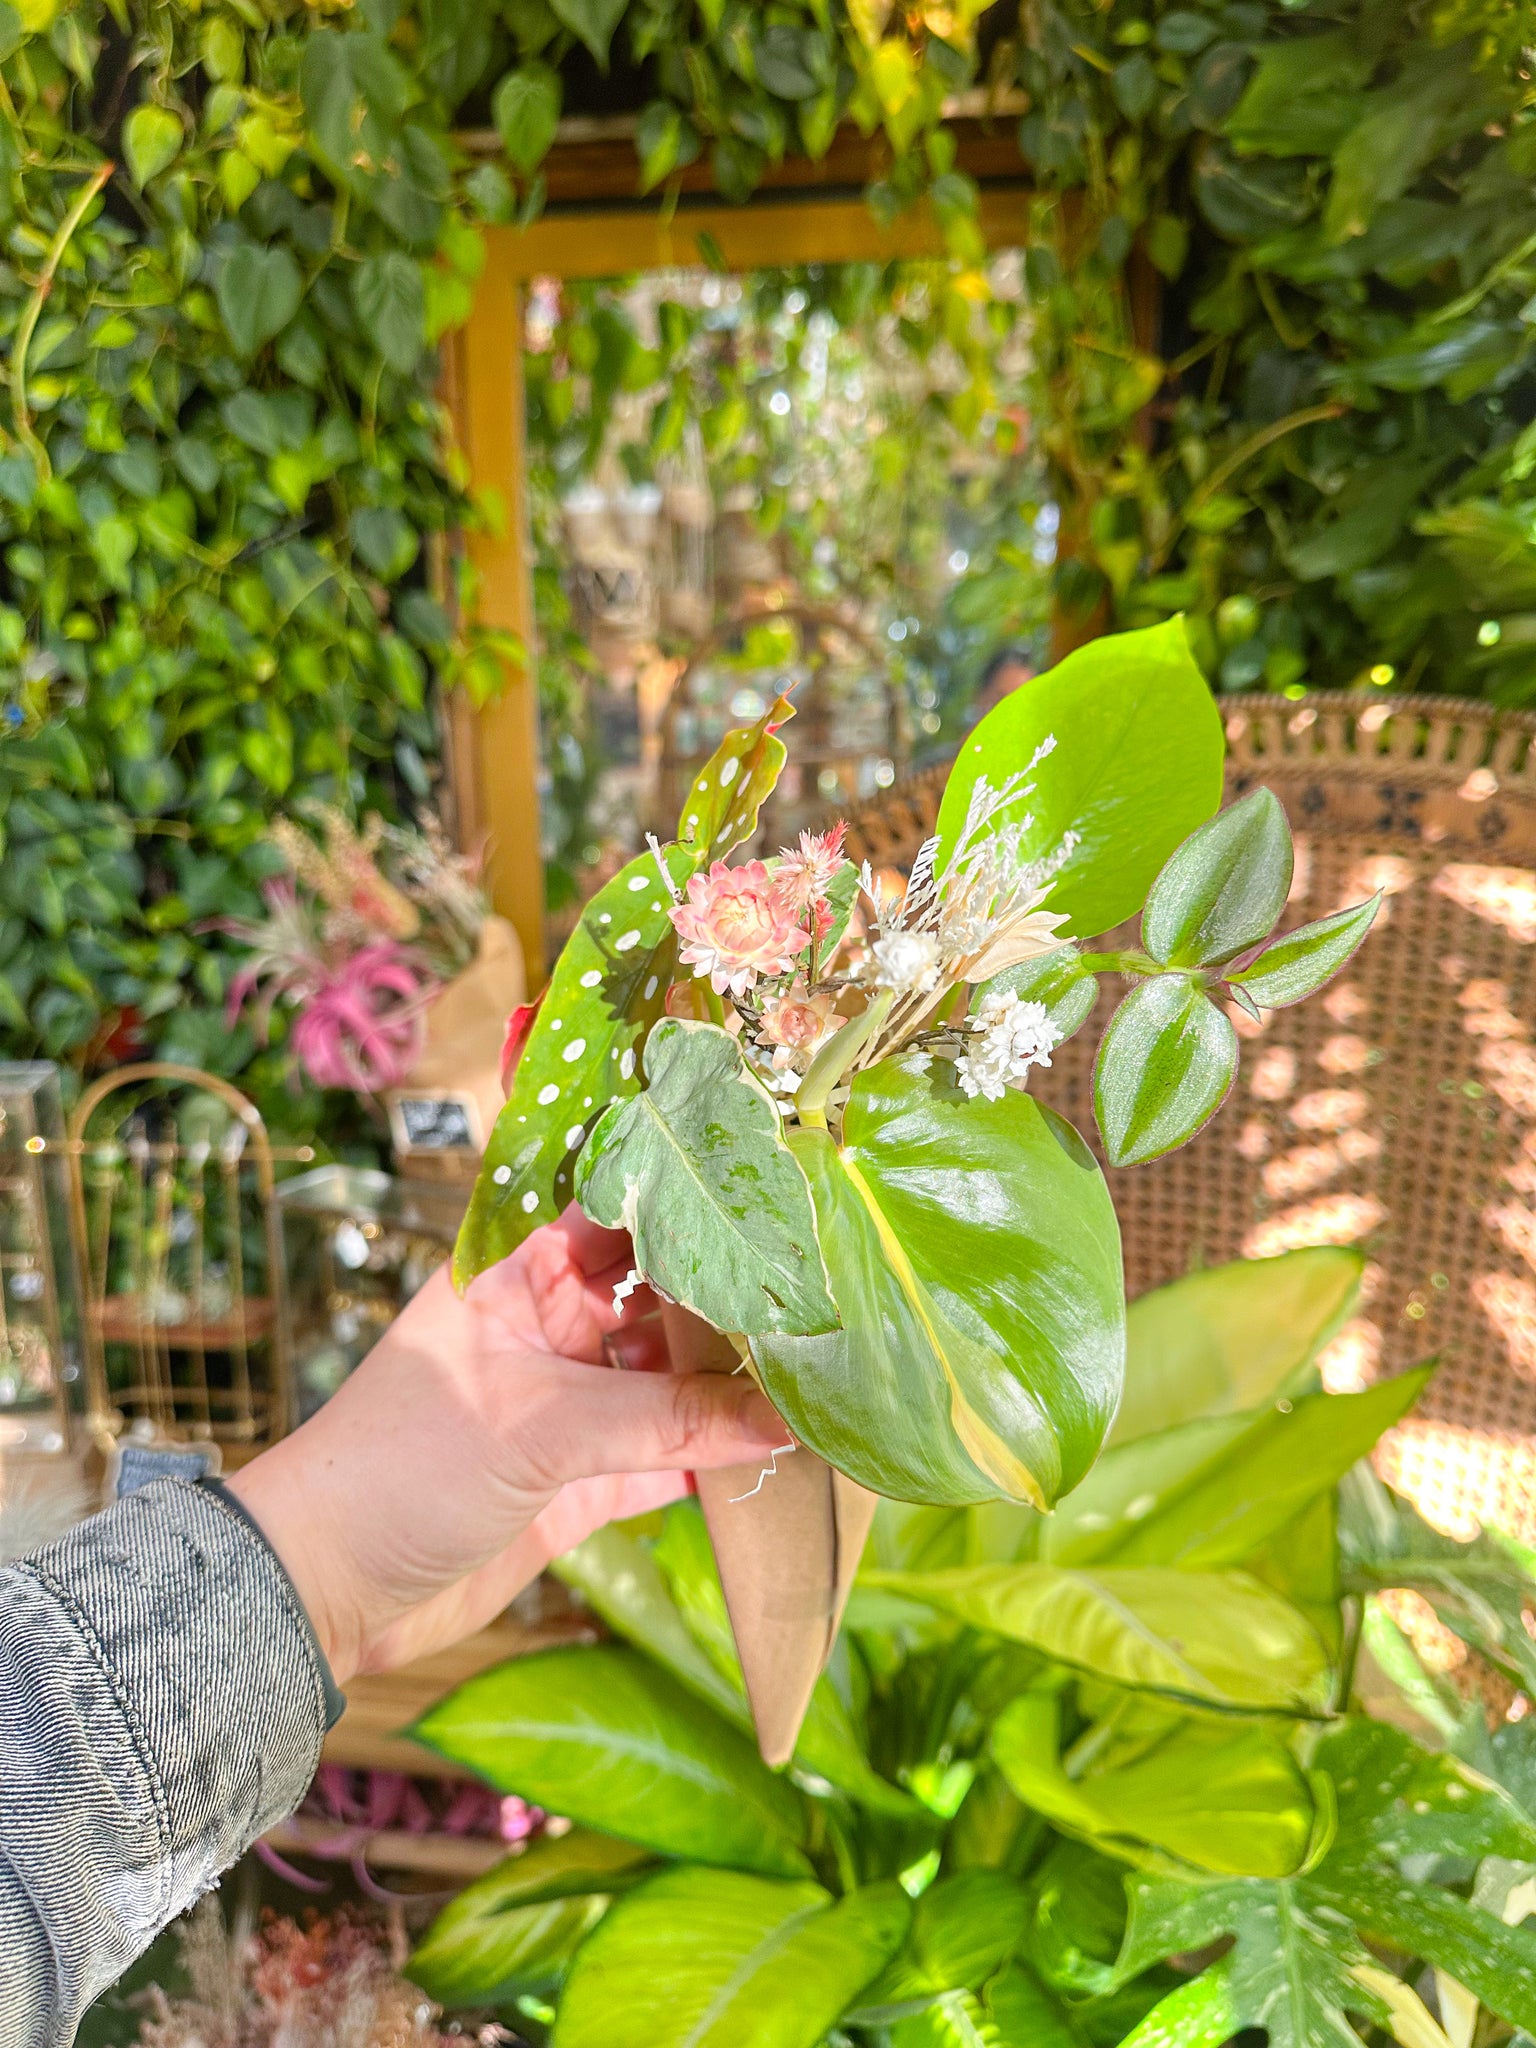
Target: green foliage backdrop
{"points": [[225, 480]]}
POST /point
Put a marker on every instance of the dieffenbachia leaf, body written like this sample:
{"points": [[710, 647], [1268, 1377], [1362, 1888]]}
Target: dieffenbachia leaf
{"points": [[514, 1929], [1298, 964], [1136, 766], [697, 1170], [1164, 1067], [1224, 889], [1216, 1638], [720, 810], [717, 1959], [1059, 980], [963, 1928], [602, 1735], [1214, 1795], [964, 1371], [609, 984]]}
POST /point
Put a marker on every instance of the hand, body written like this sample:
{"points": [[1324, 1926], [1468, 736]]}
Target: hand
{"points": [[480, 1438]]}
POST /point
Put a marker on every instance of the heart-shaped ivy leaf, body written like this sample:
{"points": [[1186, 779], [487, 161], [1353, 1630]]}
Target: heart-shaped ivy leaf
{"points": [[609, 984], [1298, 964], [1164, 1065], [258, 291], [1224, 889], [527, 112], [697, 1170]]}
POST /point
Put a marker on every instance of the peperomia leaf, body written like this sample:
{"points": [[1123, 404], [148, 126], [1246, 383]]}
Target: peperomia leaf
{"points": [[697, 1170], [1298, 964], [1059, 980], [1136, 766], [514, 1929], [1224, 889], [1215, 1796], [1219, 1638], [975, 1260], [717, 1959], [720, 810], [604, 1737], [608, 985], [1164, 1067]]}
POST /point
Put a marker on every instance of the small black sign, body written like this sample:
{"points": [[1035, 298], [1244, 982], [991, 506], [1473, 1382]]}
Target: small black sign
{"points": [[435, 1123]]}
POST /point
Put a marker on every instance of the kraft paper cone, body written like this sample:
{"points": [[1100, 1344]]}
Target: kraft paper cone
{"points": [[467, 1022], [787, 1551]]}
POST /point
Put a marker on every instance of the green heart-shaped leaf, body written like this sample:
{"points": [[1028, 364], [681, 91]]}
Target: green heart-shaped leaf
{"points": [[258, 291], [697, 1170], [151, 142], [975, 1261], [1164, 1067], [526, 110]]}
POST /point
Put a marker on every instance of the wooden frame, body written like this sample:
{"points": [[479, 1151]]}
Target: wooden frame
{"points": [[494, 753]]}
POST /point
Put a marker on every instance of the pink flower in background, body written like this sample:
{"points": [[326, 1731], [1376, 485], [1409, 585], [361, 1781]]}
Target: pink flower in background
{"points": [[736, 927], [365, 1025]]}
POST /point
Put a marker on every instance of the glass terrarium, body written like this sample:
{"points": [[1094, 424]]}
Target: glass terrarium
{"points": [[40, 1312], [359, 1243]]}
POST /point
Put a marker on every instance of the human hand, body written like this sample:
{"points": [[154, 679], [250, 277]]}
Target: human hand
{"points": [[481, 1437]]}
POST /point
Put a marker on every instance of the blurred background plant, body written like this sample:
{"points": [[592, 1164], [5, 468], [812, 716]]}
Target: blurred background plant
{"points": [[1272, 369]]}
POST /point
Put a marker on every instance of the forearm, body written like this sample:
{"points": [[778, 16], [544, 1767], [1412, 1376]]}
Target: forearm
{"points": [[161, 1705]]}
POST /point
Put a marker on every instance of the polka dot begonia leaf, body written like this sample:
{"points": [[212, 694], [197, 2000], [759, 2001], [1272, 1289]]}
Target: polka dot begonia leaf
{"points": [[733, 785], [609, 986]]}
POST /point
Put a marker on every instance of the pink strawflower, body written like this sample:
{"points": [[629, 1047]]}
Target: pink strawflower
{"points": [[735, 927], [796, 1024]]}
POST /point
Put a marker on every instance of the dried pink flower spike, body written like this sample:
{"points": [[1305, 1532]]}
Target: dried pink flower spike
{"points": [[736, 928], [805, 873]]}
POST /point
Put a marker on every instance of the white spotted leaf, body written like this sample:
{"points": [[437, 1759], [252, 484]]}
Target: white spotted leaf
{"points": [[608, 987], [696, 1168], [720, 810]]}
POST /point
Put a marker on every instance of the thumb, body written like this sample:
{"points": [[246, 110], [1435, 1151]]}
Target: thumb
{"points": [[659, 1422]]}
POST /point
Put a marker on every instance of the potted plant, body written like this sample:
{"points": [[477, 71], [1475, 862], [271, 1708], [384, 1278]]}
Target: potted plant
{"points": [[1154, 1768], [806, 1100]]}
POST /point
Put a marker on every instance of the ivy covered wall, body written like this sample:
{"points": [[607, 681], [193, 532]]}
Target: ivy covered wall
{"points": [[233, 234]]}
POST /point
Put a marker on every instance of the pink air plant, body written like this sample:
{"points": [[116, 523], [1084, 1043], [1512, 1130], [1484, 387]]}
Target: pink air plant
{"points": [[365, 1026], [736, 928]]}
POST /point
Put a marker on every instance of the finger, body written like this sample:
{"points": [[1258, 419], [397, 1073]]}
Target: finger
{"points": [[638, 1347], [646, 1422], [592, 1247]]}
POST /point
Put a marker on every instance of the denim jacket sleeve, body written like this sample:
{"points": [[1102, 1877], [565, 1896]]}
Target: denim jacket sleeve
{"points": [[162, 1703]]}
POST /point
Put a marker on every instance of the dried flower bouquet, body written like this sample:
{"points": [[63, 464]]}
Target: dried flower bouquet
{"points": [[806, 1100]]}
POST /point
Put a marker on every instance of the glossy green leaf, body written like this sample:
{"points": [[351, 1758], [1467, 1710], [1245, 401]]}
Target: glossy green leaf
{"points": [[828, 1745], [1027, 2013], [1208, 1494], [1224, 889], [594, 21], [1164, 1067], [1198, 2014], [1210, 1795], [526, 110], [152, 139], [1218, 1637], [697, 1170], [963, 1928], [957, 2021], [608, 986], [1397, 1800], [604, 1737], [1231, 1337], [1302, 99], [258, 291], [515, 1929], [716, 1959], [1136, 766], [720, 810], [1298, 964], [1059, 980], [960, 1373]]}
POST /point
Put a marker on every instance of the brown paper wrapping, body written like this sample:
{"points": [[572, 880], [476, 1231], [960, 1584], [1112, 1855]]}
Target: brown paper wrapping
{"points": [[467, 1022], [787, 1551]]}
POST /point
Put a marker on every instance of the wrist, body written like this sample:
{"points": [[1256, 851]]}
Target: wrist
{"points": [[273, 1495]]}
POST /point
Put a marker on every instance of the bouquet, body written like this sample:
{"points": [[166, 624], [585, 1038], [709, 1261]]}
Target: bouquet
{"points": [[806, 1097]]}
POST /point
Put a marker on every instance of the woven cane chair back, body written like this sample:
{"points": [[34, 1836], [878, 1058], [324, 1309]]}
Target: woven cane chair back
{"points": [[1397, 1111]]}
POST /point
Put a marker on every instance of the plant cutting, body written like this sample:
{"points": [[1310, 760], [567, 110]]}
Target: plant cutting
{"points": [[1153, 1769], [805, 1098]]}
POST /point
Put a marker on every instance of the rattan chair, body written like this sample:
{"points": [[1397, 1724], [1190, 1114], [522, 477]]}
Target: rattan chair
{"points": [[1398, 1110]]}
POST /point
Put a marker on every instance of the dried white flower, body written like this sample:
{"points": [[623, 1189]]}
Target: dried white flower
{"points": [[1010, 1037], [907, 962]]}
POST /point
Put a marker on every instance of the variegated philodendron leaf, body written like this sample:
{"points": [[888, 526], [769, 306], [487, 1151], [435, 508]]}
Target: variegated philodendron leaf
{"points": [[721, 809], [608, 986], [697, 1170]]}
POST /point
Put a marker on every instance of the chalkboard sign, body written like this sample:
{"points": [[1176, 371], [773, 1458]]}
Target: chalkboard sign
{"points": [[435, 1122]]}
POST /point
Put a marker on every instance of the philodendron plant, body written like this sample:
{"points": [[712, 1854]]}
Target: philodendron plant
{"points": [[1119, 1773], [805, 1097]]}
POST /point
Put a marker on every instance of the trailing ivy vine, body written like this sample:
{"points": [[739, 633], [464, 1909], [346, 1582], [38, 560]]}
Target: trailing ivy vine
{"points": [[234, 232]]}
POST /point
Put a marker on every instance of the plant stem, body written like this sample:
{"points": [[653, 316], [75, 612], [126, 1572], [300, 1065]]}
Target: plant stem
{"points": [[33, 314], [1120, 963]]}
